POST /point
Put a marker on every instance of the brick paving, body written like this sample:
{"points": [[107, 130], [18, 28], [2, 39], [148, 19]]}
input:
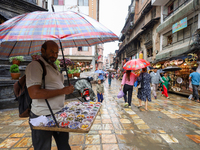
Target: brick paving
{"points": [[121, 128]]}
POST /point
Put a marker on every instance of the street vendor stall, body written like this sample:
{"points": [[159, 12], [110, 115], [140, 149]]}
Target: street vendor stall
{"points": [[75, 117], [180, 73]]}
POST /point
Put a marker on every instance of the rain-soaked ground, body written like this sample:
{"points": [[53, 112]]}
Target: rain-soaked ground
{"points": [[169, 124]]}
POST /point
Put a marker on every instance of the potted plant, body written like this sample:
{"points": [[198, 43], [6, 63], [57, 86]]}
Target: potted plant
{"points": [[16, 59], [14, 70], [35, 56], [57, 63], [76, 73], [67, 61], [70, 72]]}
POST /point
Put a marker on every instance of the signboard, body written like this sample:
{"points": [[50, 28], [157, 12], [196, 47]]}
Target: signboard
{"points": [[179, 25]]}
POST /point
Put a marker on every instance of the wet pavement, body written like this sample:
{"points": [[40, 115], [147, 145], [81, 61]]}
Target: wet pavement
{"points": [[169, 124]]}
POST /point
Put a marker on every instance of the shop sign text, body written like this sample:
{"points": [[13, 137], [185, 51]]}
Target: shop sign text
{"points": [[179, 25]]}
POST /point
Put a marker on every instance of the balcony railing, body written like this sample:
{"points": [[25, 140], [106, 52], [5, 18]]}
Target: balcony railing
{"points": [[175, 10]]}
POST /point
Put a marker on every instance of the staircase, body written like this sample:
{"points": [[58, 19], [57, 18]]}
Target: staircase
{"points": [[6, 83]]}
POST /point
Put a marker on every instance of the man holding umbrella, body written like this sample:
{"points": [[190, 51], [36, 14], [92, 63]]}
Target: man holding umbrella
{"points": [[155, 77], [54, 92]]}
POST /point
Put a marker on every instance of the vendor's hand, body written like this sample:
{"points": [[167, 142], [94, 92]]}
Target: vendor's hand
{"points": [[163, 82], [68, 89]]}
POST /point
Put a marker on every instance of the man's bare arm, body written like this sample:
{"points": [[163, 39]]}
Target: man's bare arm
{"points": [[35, 92]]}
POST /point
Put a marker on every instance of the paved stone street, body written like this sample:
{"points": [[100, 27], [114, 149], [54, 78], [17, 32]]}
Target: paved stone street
{"points": [[168, 124]]}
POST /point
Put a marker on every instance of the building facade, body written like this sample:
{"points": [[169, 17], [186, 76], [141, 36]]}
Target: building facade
{"points": [[180, 22], [12, 8], [100, 56], [84, 55], [139, 36]]}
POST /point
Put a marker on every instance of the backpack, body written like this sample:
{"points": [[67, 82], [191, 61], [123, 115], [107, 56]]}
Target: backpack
{"points": [[22, 96]]}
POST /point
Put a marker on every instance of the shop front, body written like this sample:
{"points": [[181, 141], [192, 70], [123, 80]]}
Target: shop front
{"points": [[179, 69]]}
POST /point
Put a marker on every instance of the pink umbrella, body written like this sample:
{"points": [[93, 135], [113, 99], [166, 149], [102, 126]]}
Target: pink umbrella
{"points": [[136, 64]]}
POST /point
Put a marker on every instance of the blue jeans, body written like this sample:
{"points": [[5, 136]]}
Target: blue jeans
{"points": [[109, 81], [100, 97], [195, 91]]}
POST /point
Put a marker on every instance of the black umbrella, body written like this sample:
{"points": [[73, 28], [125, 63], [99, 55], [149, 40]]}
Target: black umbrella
{"points": [[171, 68]]}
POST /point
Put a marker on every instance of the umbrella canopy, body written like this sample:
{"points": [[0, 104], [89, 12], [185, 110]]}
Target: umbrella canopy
{"points": [[24, 34], [99, 71], [136, 64], [171, 68]]}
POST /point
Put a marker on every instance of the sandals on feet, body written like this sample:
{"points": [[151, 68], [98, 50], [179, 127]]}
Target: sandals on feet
{"points": [[126, 105]]}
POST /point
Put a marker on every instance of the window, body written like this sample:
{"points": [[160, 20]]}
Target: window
{"points": [[58, 2], [83, 3], [84, 48], [180, 35], [170, 8], [169, 39], [153, 13], [150, 52], [79, 48], [44, 4]]}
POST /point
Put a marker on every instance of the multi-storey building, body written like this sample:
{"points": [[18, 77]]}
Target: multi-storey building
{"points": [[84, 55], [110, 59], [12, 8], [105, 62], [180, 21], [100, 56], [139, 32]]}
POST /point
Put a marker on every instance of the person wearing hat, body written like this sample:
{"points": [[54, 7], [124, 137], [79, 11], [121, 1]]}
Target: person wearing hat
{"points": [[155, 78]]}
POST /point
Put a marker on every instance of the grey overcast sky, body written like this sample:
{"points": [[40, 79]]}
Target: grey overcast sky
{"points": [[112, 14]]}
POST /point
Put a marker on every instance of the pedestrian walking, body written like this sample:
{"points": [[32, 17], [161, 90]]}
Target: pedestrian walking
{"points": [[155, 78], [54, 92], [127, 83], [165, 84], [144, 93], [109, 78], [195, 79], [100, 91], [101, 77]]}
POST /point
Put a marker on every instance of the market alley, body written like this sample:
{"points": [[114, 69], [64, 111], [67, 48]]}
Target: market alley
{"points": [[169, 124]]}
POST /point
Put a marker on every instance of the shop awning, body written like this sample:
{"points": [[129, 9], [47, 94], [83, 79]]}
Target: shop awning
{"points": [[78, 58], [7, 15], [175, 53]]}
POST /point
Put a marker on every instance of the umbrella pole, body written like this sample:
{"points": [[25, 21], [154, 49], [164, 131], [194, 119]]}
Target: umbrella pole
{"points": [[66, 69]]}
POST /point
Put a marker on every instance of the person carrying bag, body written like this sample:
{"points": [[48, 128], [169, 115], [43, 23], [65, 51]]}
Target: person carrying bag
{"points": [[128, 81]]}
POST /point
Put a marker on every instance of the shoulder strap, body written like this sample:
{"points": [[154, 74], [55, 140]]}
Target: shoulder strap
{"points": [[43, 79], [44, 69]]}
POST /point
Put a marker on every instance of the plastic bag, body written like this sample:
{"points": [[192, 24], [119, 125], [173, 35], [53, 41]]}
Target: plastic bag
{"points": [[120, 94], [139, 86], [190, 86], [135, 84], [190, 97], [151, 88]]}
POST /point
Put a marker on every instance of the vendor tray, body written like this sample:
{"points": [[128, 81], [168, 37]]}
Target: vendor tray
{"points": [[60, 129]]}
